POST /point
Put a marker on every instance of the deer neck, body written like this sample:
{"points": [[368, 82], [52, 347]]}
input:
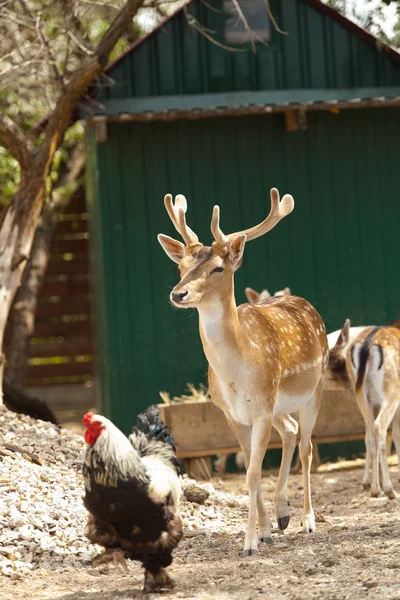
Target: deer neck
{"points": [[220, 330]]}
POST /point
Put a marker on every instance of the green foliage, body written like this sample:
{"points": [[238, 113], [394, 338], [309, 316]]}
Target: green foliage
{"points": [[373, 18], [9, 177]]}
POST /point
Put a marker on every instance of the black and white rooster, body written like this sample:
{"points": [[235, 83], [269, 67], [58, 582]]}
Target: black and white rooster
{"points": [[133, 491]]}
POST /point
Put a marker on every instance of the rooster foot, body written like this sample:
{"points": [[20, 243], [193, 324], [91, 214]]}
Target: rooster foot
{"points": [[115, 556], [157, 582]]}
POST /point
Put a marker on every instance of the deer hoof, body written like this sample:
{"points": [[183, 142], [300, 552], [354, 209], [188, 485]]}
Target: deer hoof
{"points": [[283, 522], [267, 540], [391, 494], [250, 552]]}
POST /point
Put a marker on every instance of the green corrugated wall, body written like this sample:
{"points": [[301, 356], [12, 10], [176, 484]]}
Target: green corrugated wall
{"points": [[340, 248], [317, 53]]}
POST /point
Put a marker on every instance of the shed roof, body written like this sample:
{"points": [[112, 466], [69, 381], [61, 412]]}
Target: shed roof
{"points": [[107, 101], [154, 82], [333, 14]]}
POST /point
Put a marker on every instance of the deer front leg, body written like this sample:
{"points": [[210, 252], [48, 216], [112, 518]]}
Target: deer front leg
{"points": [[243, 436], [308, 415], [287, 428], [260, 434]]}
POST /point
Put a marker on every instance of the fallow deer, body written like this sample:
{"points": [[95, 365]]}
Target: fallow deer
{"points": [[254, 298], [338, 342], [264, 296], [265, 361], [373, 365]]}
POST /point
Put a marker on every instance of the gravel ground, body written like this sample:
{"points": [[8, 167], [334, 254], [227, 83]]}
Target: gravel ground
{"points": [[355, 552]]}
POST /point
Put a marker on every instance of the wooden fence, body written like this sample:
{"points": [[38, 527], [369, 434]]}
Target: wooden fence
{"points": [[61, 349]]}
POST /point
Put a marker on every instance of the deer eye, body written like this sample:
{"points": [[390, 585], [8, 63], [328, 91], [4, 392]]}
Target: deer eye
{"points": [[217, 270]]}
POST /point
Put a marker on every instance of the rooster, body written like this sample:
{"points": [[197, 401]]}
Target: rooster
{"points": [[132, 493]]}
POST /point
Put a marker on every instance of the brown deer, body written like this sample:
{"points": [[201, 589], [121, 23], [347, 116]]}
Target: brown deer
{"points": [[265, 361], [373, 365], [254, 298], [338, 342], [264, 296]]}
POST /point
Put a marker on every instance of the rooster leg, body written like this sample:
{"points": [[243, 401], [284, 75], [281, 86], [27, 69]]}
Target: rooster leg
{"points": [[116, 556], [154, 582]]}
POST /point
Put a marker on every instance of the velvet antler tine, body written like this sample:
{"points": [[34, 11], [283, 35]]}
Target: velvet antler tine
{"points": [[189, 237], [218, 235], [279, 210], [173, 211]]}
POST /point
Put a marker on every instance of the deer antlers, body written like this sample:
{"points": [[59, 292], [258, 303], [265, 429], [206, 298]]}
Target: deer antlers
{"points": [[177, 211], [279, 210]]}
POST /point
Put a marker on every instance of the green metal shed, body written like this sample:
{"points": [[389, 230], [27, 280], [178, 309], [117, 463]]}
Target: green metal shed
{"points": [[315, 113]]}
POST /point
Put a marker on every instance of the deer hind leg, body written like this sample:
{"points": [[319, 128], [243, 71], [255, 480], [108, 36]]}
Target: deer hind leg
{"points": [[308, 415], [396, 434], [287, 428], [243, 436], [371, 479], [388, 409], [367, 471]]}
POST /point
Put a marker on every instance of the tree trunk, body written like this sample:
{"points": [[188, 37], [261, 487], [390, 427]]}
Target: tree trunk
{"points": [[21, 321], [22, 316], [16, 236], [18, 227]]}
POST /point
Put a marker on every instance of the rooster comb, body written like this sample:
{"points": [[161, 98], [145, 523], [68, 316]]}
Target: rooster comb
{"points": [[87, 419]]}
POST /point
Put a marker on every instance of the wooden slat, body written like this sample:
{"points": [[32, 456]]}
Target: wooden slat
{"points": [[64, 288], [60, 370], [66, 348], [77, 266], [44, 329], [77, 226], [77, 204], [201, 429], [69, 246], [69, 306]]}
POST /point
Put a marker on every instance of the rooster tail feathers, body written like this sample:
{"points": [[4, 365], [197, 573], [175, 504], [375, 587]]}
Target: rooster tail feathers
{"points": [[150, 423], [152, 437]]}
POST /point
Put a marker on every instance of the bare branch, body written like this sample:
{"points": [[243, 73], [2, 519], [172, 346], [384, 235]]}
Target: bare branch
{"points": [[245, 23], [193, 22], [272, 18], [13, 138], [81, 79]]}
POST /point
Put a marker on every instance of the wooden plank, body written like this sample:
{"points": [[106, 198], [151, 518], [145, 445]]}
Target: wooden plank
{"points": [[60, 370], [71, 227], [69, 246], [200, 428], [68, 306], [65, 288], [78, 266], [77, 205], [66, 348], [44, 329]]}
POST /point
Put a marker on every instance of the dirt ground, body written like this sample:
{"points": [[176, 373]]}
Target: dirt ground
{"points": [[355, 553]]}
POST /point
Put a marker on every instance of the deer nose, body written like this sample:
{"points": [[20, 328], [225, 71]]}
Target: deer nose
{"points": [[177, 297]]}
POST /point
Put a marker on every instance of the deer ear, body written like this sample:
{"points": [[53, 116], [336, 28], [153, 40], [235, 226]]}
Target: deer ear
{"points": [[235, 250], [251, 295], [344, 335], [265, 295], [174, 249]]}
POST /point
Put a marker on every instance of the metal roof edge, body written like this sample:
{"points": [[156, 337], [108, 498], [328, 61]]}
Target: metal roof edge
{"points": [[228, 100]]}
